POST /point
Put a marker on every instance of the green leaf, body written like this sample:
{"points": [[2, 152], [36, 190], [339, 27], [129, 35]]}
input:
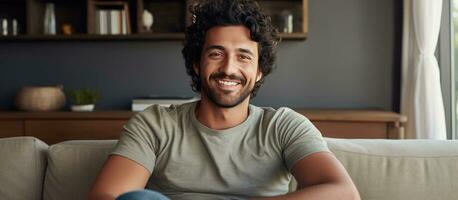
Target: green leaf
{"points": [[83, 96]]}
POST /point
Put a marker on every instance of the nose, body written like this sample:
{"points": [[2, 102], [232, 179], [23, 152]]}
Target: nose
{"points": [[229, 65]]}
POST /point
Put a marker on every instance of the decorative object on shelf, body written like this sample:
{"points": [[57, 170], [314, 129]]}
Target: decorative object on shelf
{"points": [[4, 23], [83, 108], [49, 20], [287, 21], [148, 20], [83, 100], [8, 27], [67, 29], [40, 98], [14, 28], [141, 103]]}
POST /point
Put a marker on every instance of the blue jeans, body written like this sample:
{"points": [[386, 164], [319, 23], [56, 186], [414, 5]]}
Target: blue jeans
{"points": [[142, 195]]}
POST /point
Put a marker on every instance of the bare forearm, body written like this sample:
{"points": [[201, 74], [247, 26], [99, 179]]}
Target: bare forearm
{"points": [[326, 191]]}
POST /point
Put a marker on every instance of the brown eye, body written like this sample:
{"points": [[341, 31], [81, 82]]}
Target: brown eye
{"points": [[215, 54], [245, 57]]}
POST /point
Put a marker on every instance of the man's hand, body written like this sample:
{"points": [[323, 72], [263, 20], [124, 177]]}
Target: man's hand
{"points": [[321, 176], [118, 175]]}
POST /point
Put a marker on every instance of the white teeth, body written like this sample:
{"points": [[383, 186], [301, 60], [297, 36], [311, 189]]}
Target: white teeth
{"points": [[227, 83]]}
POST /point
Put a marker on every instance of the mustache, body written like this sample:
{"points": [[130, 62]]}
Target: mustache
{"points": [[222, 75]]}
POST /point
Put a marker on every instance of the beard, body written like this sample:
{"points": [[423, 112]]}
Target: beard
{"points": [[224, 98]]}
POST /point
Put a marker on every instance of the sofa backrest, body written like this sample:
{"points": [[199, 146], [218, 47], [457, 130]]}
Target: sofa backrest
{"points": [[73, 166], [400, 169], [381, 169], [22, 168]]}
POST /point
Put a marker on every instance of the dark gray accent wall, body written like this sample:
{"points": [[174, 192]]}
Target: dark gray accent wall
{"points": [[348, 61]]}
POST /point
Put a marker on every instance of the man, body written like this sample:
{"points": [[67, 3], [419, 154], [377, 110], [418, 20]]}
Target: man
{"points": [[221, 147]]}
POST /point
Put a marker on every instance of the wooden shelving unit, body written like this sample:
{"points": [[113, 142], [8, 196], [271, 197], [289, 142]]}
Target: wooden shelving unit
{"points": [[53, 127], [93, 37], [169, 19]]}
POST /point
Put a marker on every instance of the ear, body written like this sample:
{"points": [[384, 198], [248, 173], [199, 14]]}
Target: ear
{"points": [[259, 76], [196, 68]]}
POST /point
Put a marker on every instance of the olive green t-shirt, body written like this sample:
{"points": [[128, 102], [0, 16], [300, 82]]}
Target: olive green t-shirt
{"points": [[191, 161]]}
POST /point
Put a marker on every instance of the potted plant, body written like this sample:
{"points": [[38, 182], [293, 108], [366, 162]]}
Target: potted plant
{"points": [[83, 100]]}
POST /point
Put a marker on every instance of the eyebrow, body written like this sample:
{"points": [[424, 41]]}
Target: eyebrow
{"points": [[243, 50]]}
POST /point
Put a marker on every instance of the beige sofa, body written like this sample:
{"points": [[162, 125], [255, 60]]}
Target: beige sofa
{"points": [[381, 169]]}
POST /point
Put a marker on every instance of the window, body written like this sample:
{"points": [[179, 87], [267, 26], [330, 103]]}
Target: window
{"points": [[449, 75]]}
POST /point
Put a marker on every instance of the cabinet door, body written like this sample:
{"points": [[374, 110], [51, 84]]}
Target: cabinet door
{"points": [[352, 129], [54, 131], [11, 128]]}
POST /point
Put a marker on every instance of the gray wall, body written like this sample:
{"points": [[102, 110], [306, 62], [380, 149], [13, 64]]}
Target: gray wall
{"points": [[348, 61]]}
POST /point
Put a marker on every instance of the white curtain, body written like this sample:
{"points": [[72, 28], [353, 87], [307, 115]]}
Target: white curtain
{"points": [[421, 99]]}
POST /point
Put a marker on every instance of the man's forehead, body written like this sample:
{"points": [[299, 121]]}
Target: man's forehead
{"points": [[235, 37]]}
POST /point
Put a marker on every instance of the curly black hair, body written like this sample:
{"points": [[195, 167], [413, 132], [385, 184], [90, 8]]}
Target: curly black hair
{"points": [[210, 13]]}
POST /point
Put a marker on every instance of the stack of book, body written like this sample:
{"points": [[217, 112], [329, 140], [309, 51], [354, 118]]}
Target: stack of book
{"points": [[111, 22], [139, 104]]}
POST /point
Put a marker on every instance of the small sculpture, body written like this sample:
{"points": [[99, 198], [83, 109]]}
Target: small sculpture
{"points": [[148, 20], [67, 29], [287, 18]]}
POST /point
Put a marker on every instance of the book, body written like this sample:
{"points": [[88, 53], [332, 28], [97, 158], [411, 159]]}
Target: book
{"points": [[115, 19], [111, 18], [97, 17], [124, 22], [102, 22], [141, 103]]}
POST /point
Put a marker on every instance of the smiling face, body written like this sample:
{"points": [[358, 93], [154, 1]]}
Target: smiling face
{"points": [[228, 67]]}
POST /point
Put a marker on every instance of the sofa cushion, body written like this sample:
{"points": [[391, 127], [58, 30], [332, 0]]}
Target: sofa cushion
{"points": [[400, 169], [381, 169], [73, 166], [22, 168]]}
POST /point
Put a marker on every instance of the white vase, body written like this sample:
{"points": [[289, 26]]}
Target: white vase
{"points": [[83, 108], [49, 20], [148, 20]]}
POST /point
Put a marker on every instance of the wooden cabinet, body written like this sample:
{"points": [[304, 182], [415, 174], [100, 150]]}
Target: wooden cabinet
{"points": [[345, 129], [54, 127], [11, 128], [357, 123], [53, 131], [170, 18]]}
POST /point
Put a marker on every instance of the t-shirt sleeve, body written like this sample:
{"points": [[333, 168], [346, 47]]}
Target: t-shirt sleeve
{"points": [[137, 142], [298, 137]]}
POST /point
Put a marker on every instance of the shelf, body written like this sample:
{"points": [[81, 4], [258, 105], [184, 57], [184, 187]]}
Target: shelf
{"points": [[312, 114], [293, 36], [169, 15], [94, 37], [113, 114], [169, 21], [352, 115], [129, 37]]}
